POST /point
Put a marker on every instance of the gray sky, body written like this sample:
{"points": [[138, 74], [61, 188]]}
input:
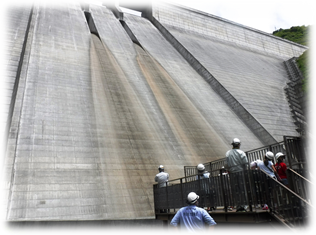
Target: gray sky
{"points": [[265, 15]]}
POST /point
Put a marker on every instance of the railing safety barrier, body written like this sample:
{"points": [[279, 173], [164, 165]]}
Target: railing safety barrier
{"points": [[299, 183], [249, 187], [292, 147]]}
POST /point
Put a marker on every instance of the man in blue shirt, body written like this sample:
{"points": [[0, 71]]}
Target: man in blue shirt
{"points": [[191, 217]]}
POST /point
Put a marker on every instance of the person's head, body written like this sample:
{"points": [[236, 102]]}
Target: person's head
{"points": [[268, 157], [161, 168], [236, 143], [200, 168], [253, 165], [280, 157], [192, 198]]}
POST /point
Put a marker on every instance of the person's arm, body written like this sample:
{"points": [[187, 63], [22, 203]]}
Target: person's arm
{"points": [[275, 173], [175, 220], [244, 158], [274, 170], [176, 230], [210, 221], [210, 230]]}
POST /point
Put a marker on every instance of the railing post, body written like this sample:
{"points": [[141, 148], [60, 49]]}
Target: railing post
{"points": [[168, 209], [288, 152], [155, 198], [202, 198], [181, 186], [223, 190], [248, 187]]}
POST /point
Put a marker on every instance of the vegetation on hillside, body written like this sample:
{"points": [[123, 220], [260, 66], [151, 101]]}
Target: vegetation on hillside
{"points": [[298, 34], [301, 35], [307, 64]]}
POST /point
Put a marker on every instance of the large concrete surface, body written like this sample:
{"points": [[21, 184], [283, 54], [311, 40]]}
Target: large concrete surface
{"points": [[257, 81], [95, 116], [248, 63], [210, 26]]}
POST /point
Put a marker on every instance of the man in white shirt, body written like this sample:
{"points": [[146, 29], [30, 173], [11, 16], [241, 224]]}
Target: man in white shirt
{"points": [[162, 177], [236, 162]]}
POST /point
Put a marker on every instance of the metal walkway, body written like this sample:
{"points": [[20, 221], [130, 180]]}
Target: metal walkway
{"points": [[287, 206]]}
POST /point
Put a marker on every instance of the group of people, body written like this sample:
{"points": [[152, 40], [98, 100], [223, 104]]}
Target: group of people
{"points": [[193, 217], [277, 171], [237, 162]]}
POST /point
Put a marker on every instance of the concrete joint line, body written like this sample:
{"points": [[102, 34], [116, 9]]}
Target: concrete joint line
{"points": [[16, 82], [231, 101], [12, 104]]}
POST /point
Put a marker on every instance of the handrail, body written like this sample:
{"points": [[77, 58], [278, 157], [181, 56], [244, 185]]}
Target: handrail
{"points": [[299, 184], [282, 185], [178, 179], [300, 176], [291, 146], [219, 190]]}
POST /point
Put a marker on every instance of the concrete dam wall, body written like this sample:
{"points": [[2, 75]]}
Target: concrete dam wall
{"points": [[100, 102]]}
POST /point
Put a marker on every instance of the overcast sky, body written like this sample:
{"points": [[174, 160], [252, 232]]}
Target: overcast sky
{"points": [[267, 15]]}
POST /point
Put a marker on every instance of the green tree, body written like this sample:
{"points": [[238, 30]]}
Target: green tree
{"points": [[301, 35], [307, 64]]}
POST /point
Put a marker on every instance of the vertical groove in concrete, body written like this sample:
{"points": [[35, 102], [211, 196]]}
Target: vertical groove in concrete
{"points": [[94, 117], [244, 115], [13, 98]]}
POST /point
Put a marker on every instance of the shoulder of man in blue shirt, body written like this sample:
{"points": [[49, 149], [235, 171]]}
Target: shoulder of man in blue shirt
{"points": [[193, 210]]}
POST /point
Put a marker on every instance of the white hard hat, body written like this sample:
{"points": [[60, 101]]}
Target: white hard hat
{"points": [[161, 167], [279, 155], [269, 155], [200, 167], [235, 141], [253, 164], [192, 197]]}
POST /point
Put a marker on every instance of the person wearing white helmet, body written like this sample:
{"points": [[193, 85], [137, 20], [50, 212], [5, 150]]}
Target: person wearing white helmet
{"points": [[162, 177], [268, 167], [281, 168], [202, 172], [256, 183], [205, 184], [192, 218], [236, 162], [236, 158], [254, 164], [267, 164]]}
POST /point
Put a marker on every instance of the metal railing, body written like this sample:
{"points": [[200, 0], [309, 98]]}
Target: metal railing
{"points": [[283, 203], [249, 187], [292, 147], [299, 183]]}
